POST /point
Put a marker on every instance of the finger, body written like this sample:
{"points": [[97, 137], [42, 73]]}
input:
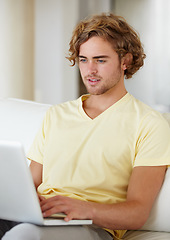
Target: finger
{"points": [[46, 203], [41, 198], [53, 207], [70, 216], [51, 199], [52, 211]]}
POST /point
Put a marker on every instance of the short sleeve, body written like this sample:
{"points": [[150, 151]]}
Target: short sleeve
{"points": [[36, 151], [153, 142]]}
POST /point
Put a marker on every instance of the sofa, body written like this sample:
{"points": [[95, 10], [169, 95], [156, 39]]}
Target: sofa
{"points": [[20, 121]]}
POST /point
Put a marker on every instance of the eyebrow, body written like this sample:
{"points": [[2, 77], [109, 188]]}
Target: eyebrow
{"points": [[96, 57]]}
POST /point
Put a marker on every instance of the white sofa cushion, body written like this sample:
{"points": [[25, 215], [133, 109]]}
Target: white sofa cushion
{"points": [[159, 219], [20, 120], [146, 235]]}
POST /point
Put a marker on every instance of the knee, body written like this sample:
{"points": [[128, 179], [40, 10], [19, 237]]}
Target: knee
{"points": [[22, 231]]}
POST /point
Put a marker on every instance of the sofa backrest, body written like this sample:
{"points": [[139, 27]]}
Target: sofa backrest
{"points": [[20, 120], [159, 219]]}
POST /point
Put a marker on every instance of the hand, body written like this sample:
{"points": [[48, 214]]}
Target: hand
{"points": [[73, 208], [40, 198]]}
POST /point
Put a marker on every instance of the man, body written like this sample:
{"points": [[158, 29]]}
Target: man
{"points": [[103, 156]]}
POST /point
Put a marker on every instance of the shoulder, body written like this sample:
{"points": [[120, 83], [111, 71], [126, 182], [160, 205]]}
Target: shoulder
{"points": [[145, 119], [66, 107], [144, 112], [151, 124]]}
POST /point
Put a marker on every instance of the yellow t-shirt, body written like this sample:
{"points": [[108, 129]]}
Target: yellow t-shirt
{"points": [[92, 159]]}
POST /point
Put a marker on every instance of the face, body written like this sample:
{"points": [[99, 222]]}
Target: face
{"points": [[100, 66]]}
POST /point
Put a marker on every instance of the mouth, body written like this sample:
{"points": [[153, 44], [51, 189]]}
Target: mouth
{"points": [[93, 80]]}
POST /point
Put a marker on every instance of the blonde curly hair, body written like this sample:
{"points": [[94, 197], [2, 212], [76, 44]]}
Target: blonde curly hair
{"points": [[115, 30]]}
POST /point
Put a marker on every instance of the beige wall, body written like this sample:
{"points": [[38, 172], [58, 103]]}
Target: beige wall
{"points": [[33, 45], [34, 41], [16, 48]]}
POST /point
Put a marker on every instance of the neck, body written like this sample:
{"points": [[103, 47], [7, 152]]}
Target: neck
{"points": [[96, 104]]}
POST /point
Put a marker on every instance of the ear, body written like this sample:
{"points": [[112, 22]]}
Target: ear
{"points": [[126, 61]]}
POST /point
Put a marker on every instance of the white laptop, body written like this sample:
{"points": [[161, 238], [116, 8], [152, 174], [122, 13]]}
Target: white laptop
{"points": [[18, 198]]}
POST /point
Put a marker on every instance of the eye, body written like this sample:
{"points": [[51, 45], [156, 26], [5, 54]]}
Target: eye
{"points": [[101, 61], [82, 60]]}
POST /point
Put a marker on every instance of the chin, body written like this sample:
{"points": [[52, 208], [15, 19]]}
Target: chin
{"points": [[97, 92]]}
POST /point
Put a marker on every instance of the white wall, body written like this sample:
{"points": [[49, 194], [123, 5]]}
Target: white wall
{"points": [[55, 80], [162, 52], [89, 7], [151, 19]]}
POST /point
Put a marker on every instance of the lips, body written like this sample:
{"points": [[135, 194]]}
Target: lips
{"points": [[93, 80]]}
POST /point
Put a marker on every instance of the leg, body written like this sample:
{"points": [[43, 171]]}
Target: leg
{"points": [[6, 226], [28, 231]]}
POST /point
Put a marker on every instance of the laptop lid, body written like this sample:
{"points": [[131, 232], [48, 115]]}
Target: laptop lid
{"points": [[19, 201]]}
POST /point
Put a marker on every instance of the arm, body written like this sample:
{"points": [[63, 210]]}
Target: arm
{"points": [[36, 171], [144, 185]]}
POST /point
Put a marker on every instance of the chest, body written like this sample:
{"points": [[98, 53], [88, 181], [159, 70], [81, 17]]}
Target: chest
{"points": [[92, 141]]}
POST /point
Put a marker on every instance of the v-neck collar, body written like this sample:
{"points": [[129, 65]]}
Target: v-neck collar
{"points": [[114, 106]]}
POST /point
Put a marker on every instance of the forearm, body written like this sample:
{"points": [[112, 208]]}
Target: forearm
{"points": [[126, 215], [144, 185]]}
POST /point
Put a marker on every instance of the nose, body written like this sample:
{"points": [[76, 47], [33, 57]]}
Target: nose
{"points": [[92, 68]]}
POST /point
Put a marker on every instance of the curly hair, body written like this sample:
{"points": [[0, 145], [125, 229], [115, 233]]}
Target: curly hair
{"points": [[115, 30]]}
